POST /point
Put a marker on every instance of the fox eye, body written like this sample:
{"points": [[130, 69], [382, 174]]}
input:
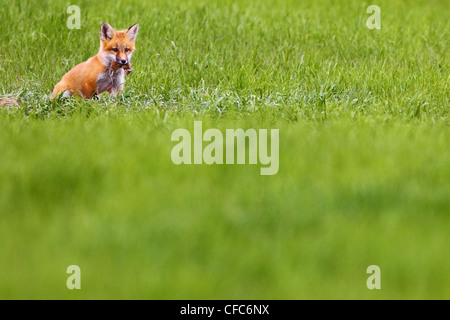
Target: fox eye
{"points": [[127, 49], [114, 49]]}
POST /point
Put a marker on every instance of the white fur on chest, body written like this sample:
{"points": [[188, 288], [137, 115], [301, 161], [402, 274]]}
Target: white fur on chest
{"points": [[111, 81]]}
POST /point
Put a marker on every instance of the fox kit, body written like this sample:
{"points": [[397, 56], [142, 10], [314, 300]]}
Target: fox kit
{"points": [[105, 71]]}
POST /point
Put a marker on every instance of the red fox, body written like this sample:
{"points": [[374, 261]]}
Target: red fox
{"points": [[105, 71]]}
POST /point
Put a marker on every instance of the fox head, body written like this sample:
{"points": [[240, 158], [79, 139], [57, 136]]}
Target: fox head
{"points": [[117, 45]]}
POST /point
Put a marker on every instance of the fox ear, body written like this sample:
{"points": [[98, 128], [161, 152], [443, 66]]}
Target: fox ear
{"points": [[132, 32], [106, 32]]}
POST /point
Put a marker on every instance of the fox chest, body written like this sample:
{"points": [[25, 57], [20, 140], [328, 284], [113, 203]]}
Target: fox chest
{"points": [[111, 81]]}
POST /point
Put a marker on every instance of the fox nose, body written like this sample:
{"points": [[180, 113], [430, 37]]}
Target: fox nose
{"points": [[122, 61]]}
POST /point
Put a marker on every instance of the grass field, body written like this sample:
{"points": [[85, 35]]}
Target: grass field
{"points": [[364, 170]]}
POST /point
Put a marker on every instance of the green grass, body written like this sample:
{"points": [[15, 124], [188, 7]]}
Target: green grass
{"points": [[364, 172]]}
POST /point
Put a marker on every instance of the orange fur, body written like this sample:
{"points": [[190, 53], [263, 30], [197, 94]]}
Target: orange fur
{"points": [[91, 76]]}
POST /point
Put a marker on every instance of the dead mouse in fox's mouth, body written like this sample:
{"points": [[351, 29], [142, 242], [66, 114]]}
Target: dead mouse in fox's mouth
{"points": [[126, 67], [113, 77]]}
